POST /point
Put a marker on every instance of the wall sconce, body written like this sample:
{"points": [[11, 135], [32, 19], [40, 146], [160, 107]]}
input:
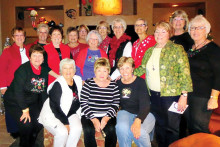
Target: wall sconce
{"points": [[107, 7]]}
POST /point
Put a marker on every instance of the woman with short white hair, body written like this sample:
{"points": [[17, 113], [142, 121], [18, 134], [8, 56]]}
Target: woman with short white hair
{"points": [[120, 45], [205, 72], [60, 114]]}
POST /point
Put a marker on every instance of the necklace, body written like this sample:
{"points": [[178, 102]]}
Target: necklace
{"points": [[201, 44]]}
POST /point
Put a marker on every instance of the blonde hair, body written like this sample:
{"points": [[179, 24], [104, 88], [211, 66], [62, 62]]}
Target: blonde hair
{"points": [[124, 60], [105, 24], [102, 62], [166, 26], [83, 26], [180, 13]]}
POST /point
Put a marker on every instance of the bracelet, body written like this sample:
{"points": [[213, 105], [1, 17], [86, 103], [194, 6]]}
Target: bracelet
{"points": [[25, 110], [215, 97]]}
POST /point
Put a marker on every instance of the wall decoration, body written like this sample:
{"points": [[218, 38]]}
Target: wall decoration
{"points": [[107, 7], [33, 15], [71, 13]]}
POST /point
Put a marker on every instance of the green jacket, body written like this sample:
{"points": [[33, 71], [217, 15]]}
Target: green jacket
{"points": [[174, 69]]}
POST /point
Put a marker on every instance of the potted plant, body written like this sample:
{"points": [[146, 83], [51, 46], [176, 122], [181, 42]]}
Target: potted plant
{"points": [[88, 10]]}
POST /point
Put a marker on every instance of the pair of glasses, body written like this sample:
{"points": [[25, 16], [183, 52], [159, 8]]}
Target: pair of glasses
{"points": [[118, 27], [197, 28], [140, 25], [176, 19], [104, 28], [18, 35]]}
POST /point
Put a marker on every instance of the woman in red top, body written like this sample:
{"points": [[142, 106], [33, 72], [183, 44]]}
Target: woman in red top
{"points": [[143, 43], [56, 51]]}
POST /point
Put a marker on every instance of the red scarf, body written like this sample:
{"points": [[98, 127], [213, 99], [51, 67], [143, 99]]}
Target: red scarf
{"points": [[114, 44], [36, 71]]}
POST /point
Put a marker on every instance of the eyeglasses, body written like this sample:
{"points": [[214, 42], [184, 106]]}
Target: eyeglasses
{"points": [[118, 27], [94, 39], [176, 19], [196, 28], [140, 25], [18, 35], [83, 31], [104, 28]]}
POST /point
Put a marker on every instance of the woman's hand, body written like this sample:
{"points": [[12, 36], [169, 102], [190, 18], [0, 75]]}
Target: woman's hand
{"points": [[3, 91], [68, 128], [182, 103], [104, 121], [96, 124], [25, 116], [212, 103], [136, 128]]}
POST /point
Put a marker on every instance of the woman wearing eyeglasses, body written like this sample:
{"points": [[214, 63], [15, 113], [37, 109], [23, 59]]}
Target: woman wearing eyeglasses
{"points": [[142, 44], [120, 45], [205, 72]]}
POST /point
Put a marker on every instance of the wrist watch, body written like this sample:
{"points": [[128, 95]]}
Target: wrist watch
{"points": [[184, 94]]}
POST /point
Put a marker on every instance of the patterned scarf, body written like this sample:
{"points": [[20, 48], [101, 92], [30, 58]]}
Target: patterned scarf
{"points": [[114, 44]]}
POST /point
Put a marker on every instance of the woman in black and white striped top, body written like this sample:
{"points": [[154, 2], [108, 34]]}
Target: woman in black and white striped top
{"points": [[99, 101]]}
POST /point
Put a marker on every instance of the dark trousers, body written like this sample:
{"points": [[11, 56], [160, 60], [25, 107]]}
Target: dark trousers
{"points": [[28, 131], [89, 132], [199, 116], [167, 123]]}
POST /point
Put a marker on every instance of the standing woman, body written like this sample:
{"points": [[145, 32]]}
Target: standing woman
{"points": [[56, 51], [99, 102], [179, 21], [26, 94], [168, 79], [120, 45], [143, 43], [205, 72], [10, 60], [104, 30], [83, 32]]}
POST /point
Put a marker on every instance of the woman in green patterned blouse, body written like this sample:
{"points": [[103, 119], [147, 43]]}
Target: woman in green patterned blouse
{"points": [[168, 79]]}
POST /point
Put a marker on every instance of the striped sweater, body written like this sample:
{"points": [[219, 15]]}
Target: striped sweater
{"points": [[99, 102]]}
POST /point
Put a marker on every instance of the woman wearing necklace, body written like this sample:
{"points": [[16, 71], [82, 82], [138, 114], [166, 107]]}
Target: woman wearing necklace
{"points": [[205, 72], [142, 44], [99, 102], [168, 79], [134, 122]]}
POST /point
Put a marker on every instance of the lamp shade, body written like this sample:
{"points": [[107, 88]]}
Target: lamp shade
{"points": [[107, 7]]}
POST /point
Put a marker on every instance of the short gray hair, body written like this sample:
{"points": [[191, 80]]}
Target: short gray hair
{"points": [[96, 33], [119, 20], [145, 22], [67, 61], [42, 25], [201, 20]]}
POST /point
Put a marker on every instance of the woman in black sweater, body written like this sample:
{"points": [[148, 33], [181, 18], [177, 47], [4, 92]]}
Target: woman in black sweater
{"points": [[26, 94], [205, 72]]}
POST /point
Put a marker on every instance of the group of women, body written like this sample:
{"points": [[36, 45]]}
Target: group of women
{"points": [[112, 87]]}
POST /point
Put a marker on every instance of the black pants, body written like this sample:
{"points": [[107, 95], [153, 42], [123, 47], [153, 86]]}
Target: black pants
{"points": [[167, 123], [29, 130], [199, 116], [89, 132]]}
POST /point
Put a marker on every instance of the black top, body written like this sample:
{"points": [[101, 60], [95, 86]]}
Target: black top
{"points": [[135, 98], [184, 39], [55, 96], [205, 69], [27, 88]]}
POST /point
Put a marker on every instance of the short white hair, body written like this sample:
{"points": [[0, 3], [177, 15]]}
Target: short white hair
{"points": [[67, 61], [141, 19], [42, 25], [96, 33], [119, 20], [200, 19]]}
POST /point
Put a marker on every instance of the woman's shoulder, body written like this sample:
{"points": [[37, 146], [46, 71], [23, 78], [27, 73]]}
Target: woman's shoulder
{"points": [[213, 48]]}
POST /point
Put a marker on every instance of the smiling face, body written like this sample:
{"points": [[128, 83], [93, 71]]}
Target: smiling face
{"points": [[161, 35], [36, 59], [68, 71], [93, 42], [19, 38], [126, 71], [140, 27], [83, 33], [103, 30], [42, 35], [73, 37], [198, 31], [118, 29], [101, 73], [56, 38], [178, 23]]}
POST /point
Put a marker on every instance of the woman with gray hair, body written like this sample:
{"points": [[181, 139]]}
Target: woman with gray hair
{"points": [[87, 57], [60, 114], [179, 21], [205, 72], [120, 45]]}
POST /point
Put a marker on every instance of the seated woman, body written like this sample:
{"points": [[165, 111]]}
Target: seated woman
{"points": [[87, 57], [134, 122], [59, 114], [99, 102], [23, 99]]}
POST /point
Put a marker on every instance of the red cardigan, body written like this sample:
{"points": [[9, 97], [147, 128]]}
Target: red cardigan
{"points": [[81, 58], [10, 60], [53, 58]]}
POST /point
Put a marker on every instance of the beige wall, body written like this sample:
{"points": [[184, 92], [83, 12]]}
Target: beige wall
{"points": [[145, 10]]}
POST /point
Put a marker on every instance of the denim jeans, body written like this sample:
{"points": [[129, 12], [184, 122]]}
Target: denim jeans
{"points": [[123, 129]]}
